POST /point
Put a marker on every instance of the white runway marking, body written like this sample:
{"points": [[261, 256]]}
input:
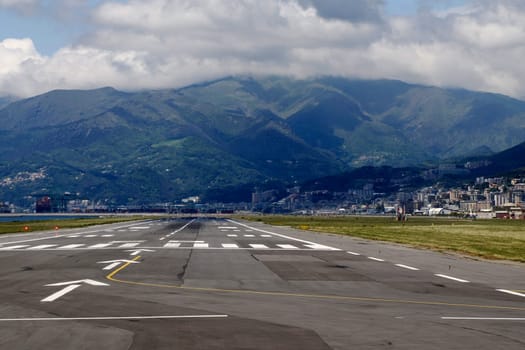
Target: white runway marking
{"points": [[308, 244], [129, 245], [511, 292], [451, 278], [14, 247], [100, 245], [407, 267], [60, 293], [177, 230], [41, 319], [71, 246], [258, 246], [232, 235], [249, 236], [375, 259], [42, 246], [287, 246], [200, 245], [229, 245], [484, 318], [353, 253]]}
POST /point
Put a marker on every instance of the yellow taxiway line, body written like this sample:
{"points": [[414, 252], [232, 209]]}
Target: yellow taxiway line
{"points": [[112, 275]]}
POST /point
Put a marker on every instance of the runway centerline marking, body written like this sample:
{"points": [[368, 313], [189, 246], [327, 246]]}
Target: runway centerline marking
{"points": [[177, 230]]}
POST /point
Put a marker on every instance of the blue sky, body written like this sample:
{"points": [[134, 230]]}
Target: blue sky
{"points": [[143, 44]]}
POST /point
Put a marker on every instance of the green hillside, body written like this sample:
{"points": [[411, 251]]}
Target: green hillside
{"points": [[238, 133]]}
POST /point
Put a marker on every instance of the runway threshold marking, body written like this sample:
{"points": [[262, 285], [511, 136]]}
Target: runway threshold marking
{"points": [[111, 277], [109, 318]]}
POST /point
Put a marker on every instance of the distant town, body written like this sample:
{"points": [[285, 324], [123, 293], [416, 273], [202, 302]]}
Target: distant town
{"points": [[485, 198]]}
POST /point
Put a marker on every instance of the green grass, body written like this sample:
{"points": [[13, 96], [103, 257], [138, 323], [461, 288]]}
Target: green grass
{"points": [[489, 239], [15, 227]]}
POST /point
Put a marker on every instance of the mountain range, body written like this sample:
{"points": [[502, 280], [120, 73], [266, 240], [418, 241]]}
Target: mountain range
{"points": [[214, 138]]}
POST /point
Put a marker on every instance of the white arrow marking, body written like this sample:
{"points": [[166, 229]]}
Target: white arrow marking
{"points": [[115, 263], [60, 293], [86, 281], [138, 251], [71, 286]]}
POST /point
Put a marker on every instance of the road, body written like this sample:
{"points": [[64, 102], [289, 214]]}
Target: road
{"points": [[200, 283]]}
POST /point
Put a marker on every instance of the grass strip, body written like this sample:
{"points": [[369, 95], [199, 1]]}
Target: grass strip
{"points": [[489, 239], [44, 225]]}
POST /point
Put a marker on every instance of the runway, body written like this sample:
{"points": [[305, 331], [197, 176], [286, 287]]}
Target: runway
{"points": [[210, 283]]}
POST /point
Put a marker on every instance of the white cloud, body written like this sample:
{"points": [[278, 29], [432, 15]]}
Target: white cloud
{"points": [[169, 43]]}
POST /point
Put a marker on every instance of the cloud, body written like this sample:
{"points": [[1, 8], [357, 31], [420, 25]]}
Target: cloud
{"points": [[23, 6], [170, 43]]}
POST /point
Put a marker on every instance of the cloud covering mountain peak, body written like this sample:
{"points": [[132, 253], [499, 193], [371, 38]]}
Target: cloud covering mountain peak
{"points": [[140, 44]]}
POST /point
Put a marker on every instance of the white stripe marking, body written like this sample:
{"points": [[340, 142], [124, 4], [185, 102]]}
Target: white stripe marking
{"points": [[227, 227], [287, 246], [200, 245], [511, 292], [14, 247], [178, 230], [319, 247], [60, 293], [90, 236], [375, 259], [249, 236], [100, 245], [258, 246], [354, 253], [108, 318], [171, 245], [42, 246], [266, 236], [232, 235], [129, 245], [485, 318], [111, 266], [407, 267], [451, 278], [229, 245], [71, 246], [284, 236]]}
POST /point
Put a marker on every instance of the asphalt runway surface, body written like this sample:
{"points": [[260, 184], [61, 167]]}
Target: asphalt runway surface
{"points": [[210, 283]]}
